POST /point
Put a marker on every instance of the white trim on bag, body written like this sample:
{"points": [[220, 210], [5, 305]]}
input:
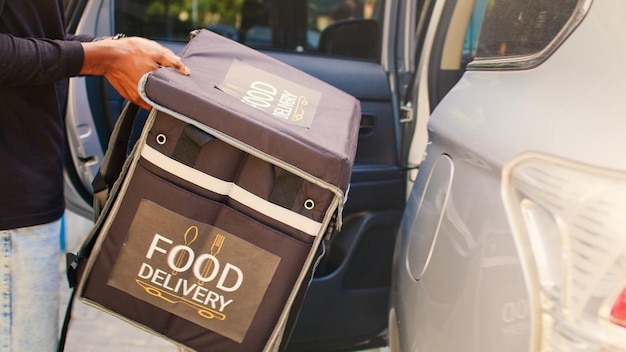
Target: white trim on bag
{"points": [[232, 190]]}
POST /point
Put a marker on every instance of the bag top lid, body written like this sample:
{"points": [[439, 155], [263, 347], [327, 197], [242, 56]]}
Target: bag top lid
{"points": [[258, 103]]}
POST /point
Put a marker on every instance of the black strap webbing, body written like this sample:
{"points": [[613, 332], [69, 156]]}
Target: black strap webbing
{"points": [[188, 146], [109, 172], [286, 188]]}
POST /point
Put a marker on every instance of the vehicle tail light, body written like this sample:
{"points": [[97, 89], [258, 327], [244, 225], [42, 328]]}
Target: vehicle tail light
{"points": [[569, 224], [618, 311]]}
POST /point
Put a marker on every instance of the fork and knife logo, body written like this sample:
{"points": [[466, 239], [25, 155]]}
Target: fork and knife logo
{"points": [[190, 236], [218, 242]]}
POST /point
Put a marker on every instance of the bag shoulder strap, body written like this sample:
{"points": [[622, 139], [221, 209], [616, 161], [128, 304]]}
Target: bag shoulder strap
{"points": [[115, 156], [109, 172]]}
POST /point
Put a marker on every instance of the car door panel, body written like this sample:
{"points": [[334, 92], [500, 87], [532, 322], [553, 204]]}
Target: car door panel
{"points": [[347, 301], [345, 306]]}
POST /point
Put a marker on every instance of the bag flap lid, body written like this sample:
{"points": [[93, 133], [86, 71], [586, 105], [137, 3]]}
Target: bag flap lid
{"points": [[262, 103]]}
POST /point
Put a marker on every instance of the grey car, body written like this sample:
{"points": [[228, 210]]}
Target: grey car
{"points": [[513, 236]]}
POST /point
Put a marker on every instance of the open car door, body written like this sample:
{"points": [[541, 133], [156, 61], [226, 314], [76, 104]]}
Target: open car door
{"points": [[363, 47]]}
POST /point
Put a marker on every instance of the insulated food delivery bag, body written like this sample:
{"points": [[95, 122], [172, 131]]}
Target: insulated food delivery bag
{"points": [[211, 227]]}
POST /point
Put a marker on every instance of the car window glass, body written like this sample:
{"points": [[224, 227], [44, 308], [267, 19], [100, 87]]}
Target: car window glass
{"points": [[470, 46], [515, 28], [330, 27]]}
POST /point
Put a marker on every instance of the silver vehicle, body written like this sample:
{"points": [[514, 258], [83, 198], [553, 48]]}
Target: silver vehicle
{"points": [[513, 237], [485, 205]]}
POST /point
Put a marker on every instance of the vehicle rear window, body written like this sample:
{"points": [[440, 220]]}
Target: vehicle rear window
{"points": [[516, 28], [293, 25]]}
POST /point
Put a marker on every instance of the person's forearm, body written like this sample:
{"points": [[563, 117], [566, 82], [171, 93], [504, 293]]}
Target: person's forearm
{"points": [[101, 57], [124, 61], [28, 61]]}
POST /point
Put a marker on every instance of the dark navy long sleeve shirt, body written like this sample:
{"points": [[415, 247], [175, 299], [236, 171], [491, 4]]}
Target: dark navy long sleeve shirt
{"points": [[35, 62]]}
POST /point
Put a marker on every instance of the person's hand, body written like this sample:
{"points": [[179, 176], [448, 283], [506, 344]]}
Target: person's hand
{"points": [[124, 61]]}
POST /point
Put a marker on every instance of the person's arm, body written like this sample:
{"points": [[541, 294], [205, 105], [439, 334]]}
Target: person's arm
{"points": [[124, 61], [27, 61]]}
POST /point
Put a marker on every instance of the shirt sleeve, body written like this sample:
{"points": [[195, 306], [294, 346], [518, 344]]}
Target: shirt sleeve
{"points": [[27, 61]]}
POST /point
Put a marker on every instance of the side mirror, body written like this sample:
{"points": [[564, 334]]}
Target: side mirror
{"points": [[351, 37]]}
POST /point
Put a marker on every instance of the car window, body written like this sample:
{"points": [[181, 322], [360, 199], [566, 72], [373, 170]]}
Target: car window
{"points": [[522, 27], [518, 30], [470, 45], [330, 27]]}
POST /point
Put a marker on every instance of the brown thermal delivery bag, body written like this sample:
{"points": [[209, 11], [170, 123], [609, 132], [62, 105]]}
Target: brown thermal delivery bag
{"points": [[212, 225]]}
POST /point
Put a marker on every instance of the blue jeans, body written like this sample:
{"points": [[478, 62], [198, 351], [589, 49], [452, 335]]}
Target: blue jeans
{"points": [[29, 296]]}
